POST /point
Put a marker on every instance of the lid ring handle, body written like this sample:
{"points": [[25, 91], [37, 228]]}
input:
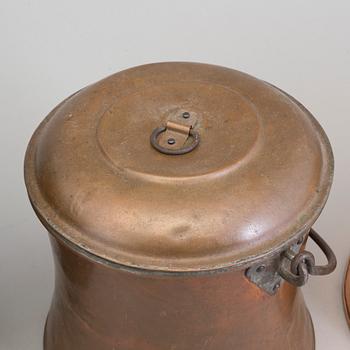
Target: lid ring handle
{"points": [[186, 149]]}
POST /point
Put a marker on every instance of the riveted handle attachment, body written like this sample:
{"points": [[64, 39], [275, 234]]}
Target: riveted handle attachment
{"points": [[178, 136], [296, 268], [294, 265]]}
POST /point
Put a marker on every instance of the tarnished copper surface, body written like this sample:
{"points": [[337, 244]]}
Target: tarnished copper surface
{"points": [[257, 180], [347, 294], [96, 306]]}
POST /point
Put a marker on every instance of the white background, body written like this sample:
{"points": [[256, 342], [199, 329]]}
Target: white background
{"points": [[49, 49]]}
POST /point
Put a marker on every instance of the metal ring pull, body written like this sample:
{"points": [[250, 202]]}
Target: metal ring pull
{"points": [[301, 265], [183, 150]]}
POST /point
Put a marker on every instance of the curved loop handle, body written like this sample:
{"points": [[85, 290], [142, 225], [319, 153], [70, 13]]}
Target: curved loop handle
{"points": [[303, 264], [328, 252]]}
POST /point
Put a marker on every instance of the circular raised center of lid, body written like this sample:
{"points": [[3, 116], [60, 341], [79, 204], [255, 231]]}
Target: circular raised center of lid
{"points": [[226, 123]]}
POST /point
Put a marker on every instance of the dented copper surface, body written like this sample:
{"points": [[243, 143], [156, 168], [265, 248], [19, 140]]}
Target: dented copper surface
{"points": [[257, 180]]}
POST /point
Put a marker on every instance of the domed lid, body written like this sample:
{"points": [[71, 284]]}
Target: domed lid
{"points": [[251, 170]]}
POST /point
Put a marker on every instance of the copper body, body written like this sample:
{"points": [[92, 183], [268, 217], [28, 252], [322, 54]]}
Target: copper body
{"points": [[101, 307]]}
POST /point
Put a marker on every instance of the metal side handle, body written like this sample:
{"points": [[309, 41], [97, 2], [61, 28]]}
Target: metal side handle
{"points": [[296, 268]]}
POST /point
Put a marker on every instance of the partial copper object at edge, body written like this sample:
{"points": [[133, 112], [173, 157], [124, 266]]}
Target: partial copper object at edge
{"points": [[178, 198], [347, 294]]}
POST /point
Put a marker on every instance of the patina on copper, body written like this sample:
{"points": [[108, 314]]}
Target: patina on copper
{"points": [[180, 246]]}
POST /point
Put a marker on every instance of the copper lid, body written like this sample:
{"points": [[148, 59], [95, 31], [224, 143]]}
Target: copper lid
{"points": [[259, 176]]}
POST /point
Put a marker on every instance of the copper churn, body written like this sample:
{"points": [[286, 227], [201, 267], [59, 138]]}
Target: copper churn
{"points": [[178, 198]]}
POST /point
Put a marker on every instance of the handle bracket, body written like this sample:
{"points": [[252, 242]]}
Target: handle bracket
{"points": [[294, 265], [303, 264]]}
